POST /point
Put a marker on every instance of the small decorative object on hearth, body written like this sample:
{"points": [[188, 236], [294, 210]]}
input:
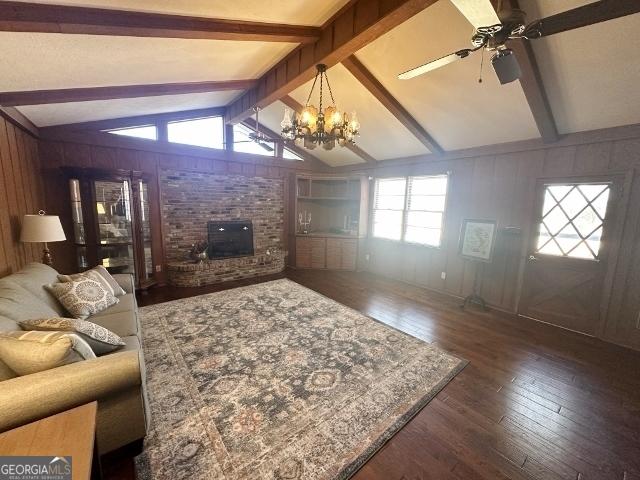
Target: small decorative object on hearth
{"points": [[42, 228], [198, 252], [315, 126]]}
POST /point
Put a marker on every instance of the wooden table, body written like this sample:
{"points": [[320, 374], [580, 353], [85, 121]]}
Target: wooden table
{"points": [[69, 433]]}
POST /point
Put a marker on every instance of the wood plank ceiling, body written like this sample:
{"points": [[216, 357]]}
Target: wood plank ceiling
{"points": [[91, 60]]}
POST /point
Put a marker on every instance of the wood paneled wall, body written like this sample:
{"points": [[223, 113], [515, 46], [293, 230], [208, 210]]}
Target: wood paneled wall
{"points": [[502, 186], [105, 151], [21, 192]]}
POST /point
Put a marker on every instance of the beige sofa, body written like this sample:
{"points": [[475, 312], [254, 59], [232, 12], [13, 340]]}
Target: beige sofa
{"points": [[115, 380]]}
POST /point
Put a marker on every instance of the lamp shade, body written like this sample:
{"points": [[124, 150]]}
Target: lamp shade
{"points": [[42, 229]]}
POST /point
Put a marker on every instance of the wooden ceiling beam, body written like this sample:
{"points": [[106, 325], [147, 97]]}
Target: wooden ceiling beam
{"points": [[17, 118], [297, 107], [46, 18], [532, 86], [595, 12], [371, 83], [351, 29], [69, 95], [534, 92]]}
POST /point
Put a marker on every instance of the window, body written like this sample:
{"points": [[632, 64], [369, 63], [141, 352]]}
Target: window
{"points": [[150, 132], [426, 198], [290, 155], [410, 209], [572, 220], [388, 208], [243, 143], [201, 132]]}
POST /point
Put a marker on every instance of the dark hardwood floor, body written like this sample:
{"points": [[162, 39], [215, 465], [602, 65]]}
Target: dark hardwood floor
{"points": [[535, 401]]}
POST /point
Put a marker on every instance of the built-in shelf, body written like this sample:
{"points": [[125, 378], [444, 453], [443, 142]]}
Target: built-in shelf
{"points": [[334, 204]]}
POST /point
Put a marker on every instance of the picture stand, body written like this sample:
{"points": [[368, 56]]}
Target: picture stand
{"points": [[477, 242], [475, 296]]}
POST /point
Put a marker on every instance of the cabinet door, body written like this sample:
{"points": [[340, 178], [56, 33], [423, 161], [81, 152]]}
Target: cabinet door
{"points": [[318, 252], [349, 254], [334, 253], [303, 252]]}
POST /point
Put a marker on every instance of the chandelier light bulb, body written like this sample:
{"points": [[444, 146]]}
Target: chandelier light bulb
{"points": [[286, 121], [354, 124]]}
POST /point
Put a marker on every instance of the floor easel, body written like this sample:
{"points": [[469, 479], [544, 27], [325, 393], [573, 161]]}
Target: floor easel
{"points": [[474, 297]]}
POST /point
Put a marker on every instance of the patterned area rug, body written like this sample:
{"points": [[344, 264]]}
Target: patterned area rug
{"points": [[275, 381]]}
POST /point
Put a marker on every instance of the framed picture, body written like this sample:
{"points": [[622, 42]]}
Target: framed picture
{"points": [[477, 239]]}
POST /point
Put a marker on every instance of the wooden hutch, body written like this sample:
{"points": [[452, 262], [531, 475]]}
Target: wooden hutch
{"points": [[329, 223]]}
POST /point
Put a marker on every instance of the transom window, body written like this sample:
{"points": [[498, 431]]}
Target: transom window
{"points": [[242, 142], [149, 132], [200, 132], [290, 155], [572, 219], [410, 209]]}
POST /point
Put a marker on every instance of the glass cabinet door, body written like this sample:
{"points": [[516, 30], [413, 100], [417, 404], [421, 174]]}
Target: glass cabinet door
{"points": [[146, 263], [111, 215], [79, 236], [115, 226]]}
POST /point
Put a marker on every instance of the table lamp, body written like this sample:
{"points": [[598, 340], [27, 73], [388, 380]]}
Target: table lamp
{"points": [[42, 228]]}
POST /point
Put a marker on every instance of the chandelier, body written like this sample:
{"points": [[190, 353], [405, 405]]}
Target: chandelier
{"points": [[315, 126]]}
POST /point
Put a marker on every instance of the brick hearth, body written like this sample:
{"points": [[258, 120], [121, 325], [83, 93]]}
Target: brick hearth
{"points": [[189, 274]]}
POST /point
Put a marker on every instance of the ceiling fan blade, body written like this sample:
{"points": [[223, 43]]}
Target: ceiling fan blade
{"points": [[589, 14], [266, 146], [440, 62], [480, 13]]}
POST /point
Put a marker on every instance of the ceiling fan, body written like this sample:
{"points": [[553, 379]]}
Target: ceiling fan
{"points": [[256, 136], [494, 30]]}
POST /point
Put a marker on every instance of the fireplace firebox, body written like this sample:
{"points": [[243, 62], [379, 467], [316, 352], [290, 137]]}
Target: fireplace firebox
{"points": [[230, 238]]}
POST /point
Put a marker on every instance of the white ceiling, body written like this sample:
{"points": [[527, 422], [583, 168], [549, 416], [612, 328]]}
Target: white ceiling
{"points": [[272, 11], [64, 113], [591, 75], [448, 102], [35, 61]]}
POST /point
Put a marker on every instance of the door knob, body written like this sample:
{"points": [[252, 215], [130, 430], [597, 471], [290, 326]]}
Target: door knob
{"points": [[532, 258]]}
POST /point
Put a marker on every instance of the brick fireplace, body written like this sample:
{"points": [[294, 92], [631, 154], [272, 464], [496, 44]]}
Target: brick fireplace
{"points": [[192, 201]]}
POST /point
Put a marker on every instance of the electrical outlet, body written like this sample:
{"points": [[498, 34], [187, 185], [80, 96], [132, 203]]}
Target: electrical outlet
{"points": [[158, 268], [367, 257], [443, 275]]}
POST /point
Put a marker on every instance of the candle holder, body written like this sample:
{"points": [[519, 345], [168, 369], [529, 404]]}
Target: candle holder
{"points": [[304, 222]]}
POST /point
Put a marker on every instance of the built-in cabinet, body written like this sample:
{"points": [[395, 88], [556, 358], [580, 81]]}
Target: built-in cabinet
{"points": [[110, 214], [329, 221]]}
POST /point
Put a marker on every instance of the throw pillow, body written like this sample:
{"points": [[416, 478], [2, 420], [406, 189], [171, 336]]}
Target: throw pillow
{"points": [[32, 352], [82, 297], [100, 274], [100, 339]]}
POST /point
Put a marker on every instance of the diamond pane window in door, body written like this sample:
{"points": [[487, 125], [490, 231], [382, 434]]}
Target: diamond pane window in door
{"points": [[572, 220]]}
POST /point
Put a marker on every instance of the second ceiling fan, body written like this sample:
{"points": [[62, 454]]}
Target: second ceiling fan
{"points": [[494, 28]]}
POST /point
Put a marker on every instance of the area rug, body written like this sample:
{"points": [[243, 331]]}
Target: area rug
{"points": [[275, 381]]}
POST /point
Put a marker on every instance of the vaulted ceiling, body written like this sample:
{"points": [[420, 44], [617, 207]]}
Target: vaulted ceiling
{"points": [[590, 75]]}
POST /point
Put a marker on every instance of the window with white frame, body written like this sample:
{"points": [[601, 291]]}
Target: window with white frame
{"points": [[410, 209]]}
